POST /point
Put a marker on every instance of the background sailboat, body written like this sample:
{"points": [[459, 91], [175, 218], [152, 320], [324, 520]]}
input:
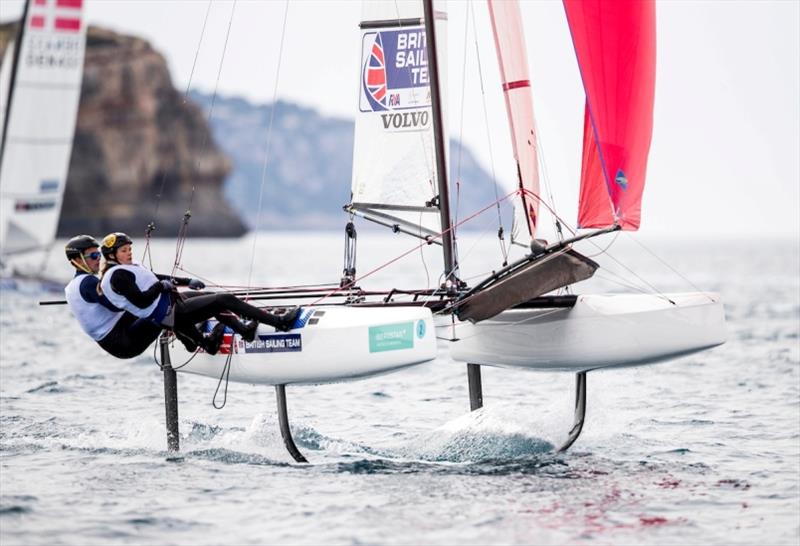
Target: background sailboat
{"points": [[40, 85]]}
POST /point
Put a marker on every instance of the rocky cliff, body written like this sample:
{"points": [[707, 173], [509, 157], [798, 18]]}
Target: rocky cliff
{"points": [[142, 152]]}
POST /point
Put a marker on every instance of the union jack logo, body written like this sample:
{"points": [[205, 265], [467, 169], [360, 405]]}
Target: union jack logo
{"points": [[375, 76]]}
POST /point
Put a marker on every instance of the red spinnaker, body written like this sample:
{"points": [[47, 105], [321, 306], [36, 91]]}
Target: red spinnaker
{"points": [[615, 42]]}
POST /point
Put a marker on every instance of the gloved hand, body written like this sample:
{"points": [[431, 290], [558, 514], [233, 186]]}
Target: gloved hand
{"points": [[167, 286], [196, 284]]}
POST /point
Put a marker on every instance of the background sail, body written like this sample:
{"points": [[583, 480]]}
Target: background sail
{"points": [[509, 41], [615, 44], [41, 122], [394, 168]]}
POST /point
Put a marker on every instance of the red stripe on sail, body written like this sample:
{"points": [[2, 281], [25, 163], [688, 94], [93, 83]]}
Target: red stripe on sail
{"points": [[509, 40], [37, 21], [74, 4], [615, 44], [68, 24], [40, 2], [516, 85]]}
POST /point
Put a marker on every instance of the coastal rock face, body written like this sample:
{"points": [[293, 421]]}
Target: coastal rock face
{"points": [[136, 138]]}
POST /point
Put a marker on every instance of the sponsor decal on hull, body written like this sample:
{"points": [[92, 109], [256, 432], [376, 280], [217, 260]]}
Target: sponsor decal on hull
{"points": [[274, 343], [391, 337]]}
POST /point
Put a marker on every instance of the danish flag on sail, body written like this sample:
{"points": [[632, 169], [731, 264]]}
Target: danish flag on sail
{"points": [[615, 42], [60, 15]]}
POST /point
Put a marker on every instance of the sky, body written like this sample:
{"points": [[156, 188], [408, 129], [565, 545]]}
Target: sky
{"points": [[725, 156]]}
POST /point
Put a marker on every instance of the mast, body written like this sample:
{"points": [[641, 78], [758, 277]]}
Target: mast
{"points": [[14, 63], [448, 241]]}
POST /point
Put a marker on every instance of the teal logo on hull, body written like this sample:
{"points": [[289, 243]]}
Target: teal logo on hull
{"points": [[391, 337], [421, 329]]}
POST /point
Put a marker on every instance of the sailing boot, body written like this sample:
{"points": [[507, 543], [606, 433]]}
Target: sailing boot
{"points": [[188, 344], [212, 343], [249, 330], [246, 330], [286, 321]]}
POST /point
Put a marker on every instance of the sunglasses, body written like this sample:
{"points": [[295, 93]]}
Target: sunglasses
{"points": [[92, 255]]}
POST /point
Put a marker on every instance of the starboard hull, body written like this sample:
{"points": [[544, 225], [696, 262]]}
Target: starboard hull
{"points": [[599, 331], [331, 344]]}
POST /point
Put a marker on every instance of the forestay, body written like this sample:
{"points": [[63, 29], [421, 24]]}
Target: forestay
{"points": [[394, 169], [512, 59], [616, 49], [40, 110]]}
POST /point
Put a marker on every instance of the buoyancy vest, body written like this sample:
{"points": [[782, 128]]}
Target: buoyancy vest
{"points": [[95, 319], [144, 280]]}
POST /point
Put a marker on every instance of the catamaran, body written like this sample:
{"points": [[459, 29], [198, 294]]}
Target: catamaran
{"points": [[40, 86], [512, 318]]}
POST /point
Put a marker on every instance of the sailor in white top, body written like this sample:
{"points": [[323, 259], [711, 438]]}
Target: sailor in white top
{"points": [[120, 333]]}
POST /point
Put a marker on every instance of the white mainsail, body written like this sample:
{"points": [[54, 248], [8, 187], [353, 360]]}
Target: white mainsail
{"points": [[41, 106], [394, 166]]}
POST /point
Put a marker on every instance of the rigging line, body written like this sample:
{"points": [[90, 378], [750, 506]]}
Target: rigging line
{"points": [[629, 270], [268, 144], [183, 234], [406, 253], [551, 210], [602, 251], [461, 116], [422, 257], [244, 287], [668, 266], [226, 373], [503, 249], [160, 364], [546, 177], [146, 253], [471, 249], [206, 134], [621, 281]]}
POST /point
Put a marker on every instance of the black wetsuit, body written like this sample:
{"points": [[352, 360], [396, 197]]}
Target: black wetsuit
{"points": [[220, 305], [124, 283]]}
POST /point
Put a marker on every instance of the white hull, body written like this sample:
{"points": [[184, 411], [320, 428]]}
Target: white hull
{"points": [[336, 343], [600, 331]]}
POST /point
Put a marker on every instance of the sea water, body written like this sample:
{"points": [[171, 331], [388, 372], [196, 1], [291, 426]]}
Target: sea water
{"points": [[701, 450]]}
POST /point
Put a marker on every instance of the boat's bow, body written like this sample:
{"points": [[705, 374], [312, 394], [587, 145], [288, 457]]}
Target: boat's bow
{"points": [[597, 331]]}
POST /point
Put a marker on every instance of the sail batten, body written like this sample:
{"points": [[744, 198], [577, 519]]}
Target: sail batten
{"points": [[509, 41], [616, 51]]}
